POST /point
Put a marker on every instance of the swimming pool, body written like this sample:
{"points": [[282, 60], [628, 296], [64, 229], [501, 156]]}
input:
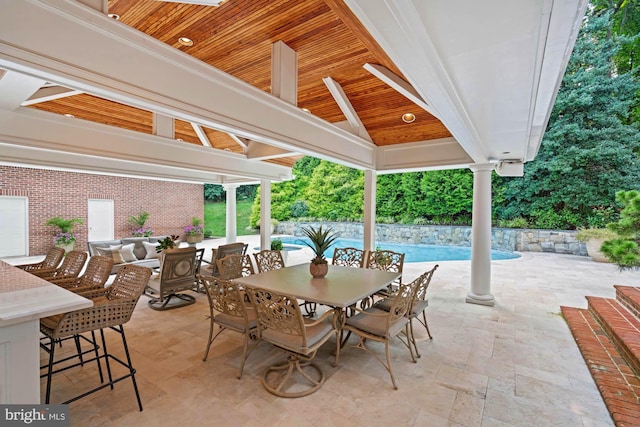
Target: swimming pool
{"points": [[413, 253]]}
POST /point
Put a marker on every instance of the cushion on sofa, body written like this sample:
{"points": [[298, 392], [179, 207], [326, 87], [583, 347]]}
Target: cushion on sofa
{"points": [[151, 250], [138, 249], [116, 255], [126, 251], [101, 244]]}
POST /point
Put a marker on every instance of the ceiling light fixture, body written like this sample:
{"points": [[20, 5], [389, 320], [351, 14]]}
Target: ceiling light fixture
{"points": [[408, 117], [71, 116], [306, 110], [185, 41], [114, 16]]}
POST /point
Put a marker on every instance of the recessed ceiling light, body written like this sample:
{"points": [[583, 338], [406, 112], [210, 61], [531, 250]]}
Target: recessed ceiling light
{"points": [[185, 41], [71, 116], [114, 16], [306, 110], [180, 139], [408, 117]]}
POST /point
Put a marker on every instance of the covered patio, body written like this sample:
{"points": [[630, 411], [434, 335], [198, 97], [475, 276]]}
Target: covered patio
{"points": [[513, 365]]}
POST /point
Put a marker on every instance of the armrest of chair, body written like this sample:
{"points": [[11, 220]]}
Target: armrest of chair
{"points": [[30, 267], [66, 282], [320, 319], [91, 291], [44, 272]]}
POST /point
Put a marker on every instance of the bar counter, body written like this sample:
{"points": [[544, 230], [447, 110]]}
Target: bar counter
{"points": [[24, 299]]}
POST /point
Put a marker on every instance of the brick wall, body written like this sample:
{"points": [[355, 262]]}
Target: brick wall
{"points": [[171, 205]]}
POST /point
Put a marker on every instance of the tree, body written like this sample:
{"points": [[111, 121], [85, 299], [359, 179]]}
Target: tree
{"points": [[589, 151]]}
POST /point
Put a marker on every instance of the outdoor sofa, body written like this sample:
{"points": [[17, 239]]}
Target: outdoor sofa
{"points": [[128, 250]]}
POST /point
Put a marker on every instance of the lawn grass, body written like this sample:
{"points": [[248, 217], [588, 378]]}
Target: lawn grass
{"points": [[215, 218]]}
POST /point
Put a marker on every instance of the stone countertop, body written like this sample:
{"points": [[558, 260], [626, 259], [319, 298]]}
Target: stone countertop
{"points": [[25, 297]]}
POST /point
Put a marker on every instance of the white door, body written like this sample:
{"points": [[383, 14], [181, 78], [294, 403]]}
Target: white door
{"points": [[14, 226], [100, 219]]}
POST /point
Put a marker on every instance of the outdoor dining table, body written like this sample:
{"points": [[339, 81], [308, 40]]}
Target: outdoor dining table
{"points": [[342, 287]]}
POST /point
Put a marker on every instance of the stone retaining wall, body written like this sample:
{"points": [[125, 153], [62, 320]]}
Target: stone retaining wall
{"points": [[505, 239]]}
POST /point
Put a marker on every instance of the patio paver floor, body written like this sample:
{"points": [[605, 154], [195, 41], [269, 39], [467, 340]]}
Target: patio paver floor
{"points": [[515, 364]]}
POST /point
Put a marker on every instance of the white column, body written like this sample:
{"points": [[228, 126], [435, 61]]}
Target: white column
{"points": [[369, 209], [265, 214], [481, 237], [231, 213]]}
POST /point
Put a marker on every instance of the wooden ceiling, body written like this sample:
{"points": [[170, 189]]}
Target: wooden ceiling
{"points": [[236, 37]]}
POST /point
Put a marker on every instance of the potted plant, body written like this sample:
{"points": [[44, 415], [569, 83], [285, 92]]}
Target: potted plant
{"points": [[276, 245], [321, 239], [64, 238], [194, 232], [138, 224], [593, 239], [168, 242]]}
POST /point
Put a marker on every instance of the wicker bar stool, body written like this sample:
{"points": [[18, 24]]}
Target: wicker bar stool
{"points": [[71, 266], [94, 276], [51, 260], [112, 308]]}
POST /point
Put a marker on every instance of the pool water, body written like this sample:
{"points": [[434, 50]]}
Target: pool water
{"points": [[413, 252]]}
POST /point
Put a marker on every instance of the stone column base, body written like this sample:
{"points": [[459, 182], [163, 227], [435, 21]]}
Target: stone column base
{"points": [[488, 300]]}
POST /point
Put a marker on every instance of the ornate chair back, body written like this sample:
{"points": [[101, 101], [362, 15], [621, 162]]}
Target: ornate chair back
{"points": [[222, 251], [348, 257], [234, 266], [268, 260]]}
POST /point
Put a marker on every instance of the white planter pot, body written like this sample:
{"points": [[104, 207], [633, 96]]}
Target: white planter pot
{"points": [[593, 249]]}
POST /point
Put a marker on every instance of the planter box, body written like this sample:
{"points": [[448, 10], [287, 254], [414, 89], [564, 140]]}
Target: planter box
{"points": [[194, 238], [593, 249]]}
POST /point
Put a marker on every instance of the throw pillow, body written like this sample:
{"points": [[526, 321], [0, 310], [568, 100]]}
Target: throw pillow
{"points": [[126, 251], [111, 253], [151, 250], [104, 252], [116, 254]]}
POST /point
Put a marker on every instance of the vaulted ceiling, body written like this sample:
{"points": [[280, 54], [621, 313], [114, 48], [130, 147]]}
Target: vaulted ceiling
{"points": [[109, 87]]}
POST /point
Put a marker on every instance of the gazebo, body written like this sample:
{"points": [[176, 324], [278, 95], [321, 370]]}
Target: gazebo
{"points": [[234, 92]]}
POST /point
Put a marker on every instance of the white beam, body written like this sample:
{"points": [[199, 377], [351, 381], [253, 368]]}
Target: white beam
{"points": [[49, 93], [163, 126], [202, 136], [38, 129], [400, 85], [423, 155], [259, 151], [242, 142], [346, 107], [15, 88], [203, 95]]}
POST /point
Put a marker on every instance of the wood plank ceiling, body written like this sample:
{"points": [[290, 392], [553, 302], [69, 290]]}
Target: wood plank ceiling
{"points": [[236, 37]]}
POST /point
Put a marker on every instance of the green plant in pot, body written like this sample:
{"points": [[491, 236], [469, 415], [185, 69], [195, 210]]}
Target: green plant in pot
{"points": [[168, 242], [138, 225], [194, 232], [65, 238], [276, 244], [321, 239]]}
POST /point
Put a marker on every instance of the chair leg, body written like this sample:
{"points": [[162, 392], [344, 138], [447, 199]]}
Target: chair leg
{"points": [[50, 371], [412, 339], [426, 325], [95, 348], [388, 366], [106, 358], [132, 371]]}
